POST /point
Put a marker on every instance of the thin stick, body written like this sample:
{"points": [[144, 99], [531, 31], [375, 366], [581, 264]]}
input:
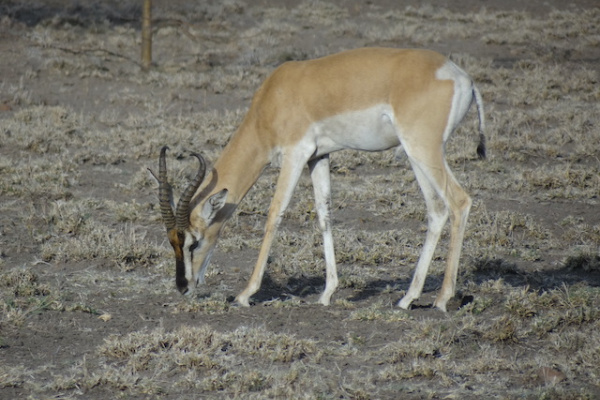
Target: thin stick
{"points": [[147, 35]]}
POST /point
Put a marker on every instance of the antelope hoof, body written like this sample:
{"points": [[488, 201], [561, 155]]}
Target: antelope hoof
{"points": [[405, 303], [325, 300], [243, 301], [440, 304]]}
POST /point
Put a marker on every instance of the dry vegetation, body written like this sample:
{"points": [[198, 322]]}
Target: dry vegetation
{"points": [[87, 299]]}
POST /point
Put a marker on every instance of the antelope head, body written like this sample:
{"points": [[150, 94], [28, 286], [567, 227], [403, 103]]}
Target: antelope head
{"points": [[190, 230]]}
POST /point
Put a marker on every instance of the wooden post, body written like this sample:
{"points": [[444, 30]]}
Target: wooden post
{"points": [[147, 35]]}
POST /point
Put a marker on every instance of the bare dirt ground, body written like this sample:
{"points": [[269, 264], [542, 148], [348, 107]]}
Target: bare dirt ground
{"points": [[89, 307]]}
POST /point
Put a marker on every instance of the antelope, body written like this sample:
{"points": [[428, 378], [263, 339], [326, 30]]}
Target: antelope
{"points": [[369, 99]]}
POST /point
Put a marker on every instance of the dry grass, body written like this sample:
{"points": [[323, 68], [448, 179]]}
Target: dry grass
{"points": [[88, 308]]}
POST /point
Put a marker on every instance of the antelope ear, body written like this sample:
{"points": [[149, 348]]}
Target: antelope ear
{"points": [[213, 205]]}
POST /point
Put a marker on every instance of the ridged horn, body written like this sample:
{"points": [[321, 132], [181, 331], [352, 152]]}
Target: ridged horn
{"points": [[165, 191], [183, 206]]}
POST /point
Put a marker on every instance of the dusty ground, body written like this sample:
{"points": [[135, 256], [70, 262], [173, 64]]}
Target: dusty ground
{"points": [[89, 308]]}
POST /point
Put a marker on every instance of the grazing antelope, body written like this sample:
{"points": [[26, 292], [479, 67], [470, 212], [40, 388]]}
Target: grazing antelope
{"points": [[368, 99]]}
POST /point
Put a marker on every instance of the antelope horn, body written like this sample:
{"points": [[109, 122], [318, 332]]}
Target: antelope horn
{"points": [[165, 192], [183, 206]]}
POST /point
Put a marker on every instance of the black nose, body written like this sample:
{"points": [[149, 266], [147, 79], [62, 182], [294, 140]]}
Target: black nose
{"points": [[184, 290], [182, 284], [180, 280]]}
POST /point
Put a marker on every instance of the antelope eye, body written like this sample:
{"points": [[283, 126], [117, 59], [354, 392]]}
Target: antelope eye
{"points": [[194, 245]]}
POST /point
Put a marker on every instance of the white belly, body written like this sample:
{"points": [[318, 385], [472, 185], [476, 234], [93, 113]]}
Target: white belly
{"points": [[371, 129]]}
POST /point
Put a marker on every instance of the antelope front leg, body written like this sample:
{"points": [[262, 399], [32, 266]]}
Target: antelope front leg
{"points": [[259, 269], [288, 178], [319, 173]]}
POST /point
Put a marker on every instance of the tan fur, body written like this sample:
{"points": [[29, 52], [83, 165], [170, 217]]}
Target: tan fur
{"points": [[288, 102], [283, 118]]}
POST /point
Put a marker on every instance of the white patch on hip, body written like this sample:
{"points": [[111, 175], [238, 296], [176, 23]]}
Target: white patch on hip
{"points": [[462, 97]]}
